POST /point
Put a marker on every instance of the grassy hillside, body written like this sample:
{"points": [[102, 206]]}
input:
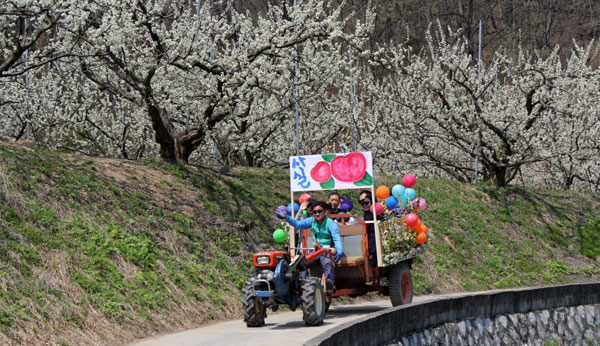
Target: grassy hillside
{"points": [[100, 251]]}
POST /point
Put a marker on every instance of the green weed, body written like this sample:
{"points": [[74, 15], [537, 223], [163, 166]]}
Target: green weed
{"points": [[589, 238], [555, 271]]}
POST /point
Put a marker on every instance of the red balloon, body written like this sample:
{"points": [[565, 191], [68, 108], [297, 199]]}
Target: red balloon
{"points": [[303, 197], [411, 219], [409, 180], [378, 208]]}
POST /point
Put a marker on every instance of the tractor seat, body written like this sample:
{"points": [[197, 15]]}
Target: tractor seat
{"points": [[352, 260]]}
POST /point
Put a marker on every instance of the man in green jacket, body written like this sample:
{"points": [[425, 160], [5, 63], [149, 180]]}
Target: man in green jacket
{"points": [[324, 231]]}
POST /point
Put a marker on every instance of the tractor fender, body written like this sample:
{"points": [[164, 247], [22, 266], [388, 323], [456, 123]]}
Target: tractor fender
{"points": [[281, 283]]}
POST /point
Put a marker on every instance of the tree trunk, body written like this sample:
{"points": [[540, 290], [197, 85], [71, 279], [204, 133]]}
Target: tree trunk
{"points": [[186, 142], [163, 133], [499, 176], [174, 147]]}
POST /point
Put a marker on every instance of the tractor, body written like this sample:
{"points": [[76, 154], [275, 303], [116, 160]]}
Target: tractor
{"points": [[279, 278]]}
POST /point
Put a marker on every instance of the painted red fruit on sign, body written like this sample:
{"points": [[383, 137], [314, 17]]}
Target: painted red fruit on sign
{"points": [[321, 172], [349, 168]]}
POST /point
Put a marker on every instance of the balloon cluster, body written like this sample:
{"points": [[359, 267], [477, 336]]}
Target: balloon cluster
{"points": [[402, 202]]}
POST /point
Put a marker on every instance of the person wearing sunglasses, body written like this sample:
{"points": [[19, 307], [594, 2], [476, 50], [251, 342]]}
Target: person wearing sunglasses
{"points": [[324, 231], [366, 201]]}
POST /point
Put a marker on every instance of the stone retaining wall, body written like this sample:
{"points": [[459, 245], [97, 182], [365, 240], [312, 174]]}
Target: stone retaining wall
{"points": [[564, 326], [503, 307]]}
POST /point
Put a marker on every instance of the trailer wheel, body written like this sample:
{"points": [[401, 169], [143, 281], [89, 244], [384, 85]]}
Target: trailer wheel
{"points": [[253, 309], [313, 302], [401, 285]]}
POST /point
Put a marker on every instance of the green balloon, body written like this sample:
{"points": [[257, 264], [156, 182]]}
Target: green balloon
{"points": [[279, 235]]}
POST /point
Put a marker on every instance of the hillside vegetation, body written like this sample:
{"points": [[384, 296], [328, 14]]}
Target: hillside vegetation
{"points": [[102, 251]]}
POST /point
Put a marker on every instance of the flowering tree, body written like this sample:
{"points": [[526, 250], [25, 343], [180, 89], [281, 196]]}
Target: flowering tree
{"points": [[196, 73], [109, 75], [438, 114], [26, 30]]}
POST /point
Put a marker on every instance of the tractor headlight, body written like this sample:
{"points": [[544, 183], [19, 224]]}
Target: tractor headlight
{"points": [[262, 260]]}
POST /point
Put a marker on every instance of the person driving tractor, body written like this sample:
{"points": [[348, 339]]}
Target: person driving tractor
{"points": [[324, 231]]}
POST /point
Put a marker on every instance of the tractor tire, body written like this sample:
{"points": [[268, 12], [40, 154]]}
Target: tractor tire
{"points": [[313, 302], [401, 285], [253, 309]]}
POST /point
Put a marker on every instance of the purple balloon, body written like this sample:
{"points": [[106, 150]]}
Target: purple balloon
{"points": [[346, 205], [281, 212]]}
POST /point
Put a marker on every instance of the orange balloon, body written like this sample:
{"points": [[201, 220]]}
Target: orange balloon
{"points": [[382, 192], [416, 226], [423, 229], [421, 238]]}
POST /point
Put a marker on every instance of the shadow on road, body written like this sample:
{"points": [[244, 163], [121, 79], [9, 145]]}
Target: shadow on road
{"points": [[334, 313], [349, 310]]}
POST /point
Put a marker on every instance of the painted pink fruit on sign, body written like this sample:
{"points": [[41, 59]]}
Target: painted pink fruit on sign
{"points": [[349, 168], [321, 172]]}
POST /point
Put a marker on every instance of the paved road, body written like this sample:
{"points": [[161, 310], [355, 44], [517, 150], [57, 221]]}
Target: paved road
{"points": [[286, 326]]}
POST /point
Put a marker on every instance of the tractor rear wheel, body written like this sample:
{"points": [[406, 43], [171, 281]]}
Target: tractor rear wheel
{"points": [[313, 302], [401, 285], [253, 309]]}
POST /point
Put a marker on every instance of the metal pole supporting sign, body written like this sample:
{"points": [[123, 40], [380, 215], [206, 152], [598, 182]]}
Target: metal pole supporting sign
{"points": [[297, 92]]}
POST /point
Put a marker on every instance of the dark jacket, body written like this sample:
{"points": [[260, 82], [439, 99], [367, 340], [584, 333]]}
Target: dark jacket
{"points": [[368, 216]]}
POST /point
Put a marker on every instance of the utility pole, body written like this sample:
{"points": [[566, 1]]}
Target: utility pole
{"points": [[476, 173], [211, 56], [212, 60], [27, 108]]}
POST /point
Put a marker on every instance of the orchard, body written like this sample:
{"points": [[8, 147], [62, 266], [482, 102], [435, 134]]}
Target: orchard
{"points": [[199, 82]]}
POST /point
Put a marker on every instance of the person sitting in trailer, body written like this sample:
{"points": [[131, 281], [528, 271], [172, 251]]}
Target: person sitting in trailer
{"points": [[334, 202], [366, 201], [325, 232]]}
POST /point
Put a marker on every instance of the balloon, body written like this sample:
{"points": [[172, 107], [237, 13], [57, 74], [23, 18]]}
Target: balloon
{"points": [[409, 180], [398, 191], [416, 226], [382, 192], [303, 197], [421, 238], [279, 235], [419, 203], [411, 194], [289, 208], [281, 211], [378, 208], [346, 205], [411, 219], [391, 202], [405, 200], [423, 229]]}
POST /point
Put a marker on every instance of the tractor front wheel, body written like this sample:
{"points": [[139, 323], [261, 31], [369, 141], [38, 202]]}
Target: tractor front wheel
{"points": [[313, 302], [253, 309], [401, 285]]}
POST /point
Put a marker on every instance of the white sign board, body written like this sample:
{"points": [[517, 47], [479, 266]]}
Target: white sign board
{"points": [[331, 171]]}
